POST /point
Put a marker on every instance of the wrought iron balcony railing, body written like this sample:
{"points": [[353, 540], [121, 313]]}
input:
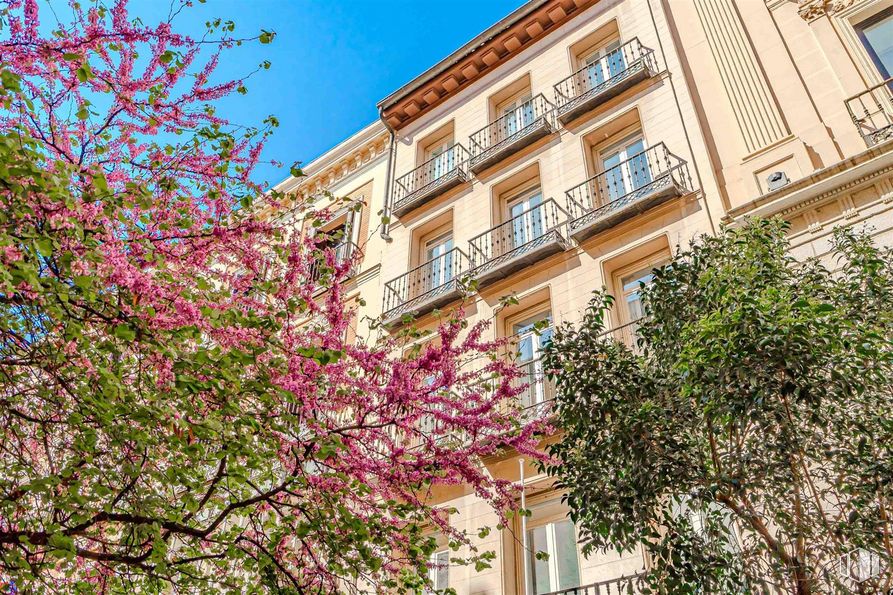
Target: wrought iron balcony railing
{"points": [[617, 586], [527, 237], [537, 391], [425, 287], [345, 251], [429, 426], [430, 179], [625, 334], [604, 78], [630, 187], [872, 112], [511, 132]]}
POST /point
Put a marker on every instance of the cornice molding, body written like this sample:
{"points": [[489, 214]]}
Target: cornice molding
{"points": [[478, 58], [350, 163], [873, 166], [809, 10]]}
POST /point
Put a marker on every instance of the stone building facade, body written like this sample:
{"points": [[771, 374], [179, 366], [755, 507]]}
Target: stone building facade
{"points": [[574, 145]]}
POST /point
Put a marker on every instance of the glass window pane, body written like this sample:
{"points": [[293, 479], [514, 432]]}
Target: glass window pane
{"points": [[525, 348], [631, 287], [439, 571], [566, 560], [877, 35], [545, 336], [540, 579]]}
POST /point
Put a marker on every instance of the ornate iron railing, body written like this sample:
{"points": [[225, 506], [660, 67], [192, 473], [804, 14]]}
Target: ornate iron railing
{"points": [[617, 586], [872, 112], [431, 173], [537, 391], [628, 181], [345, 251], [609, 70], [625, 333], [517, 235], [511, 126], [428, 280]]}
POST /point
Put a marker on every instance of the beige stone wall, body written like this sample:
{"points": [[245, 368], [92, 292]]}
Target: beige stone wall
{"points": [[664, 110], [745, 88], [778, 65]]}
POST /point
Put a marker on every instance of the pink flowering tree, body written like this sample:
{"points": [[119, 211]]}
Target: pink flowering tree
{"points": [[179, 406]]}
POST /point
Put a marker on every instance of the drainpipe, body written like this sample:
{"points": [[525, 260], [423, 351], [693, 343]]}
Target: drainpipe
{"points": [[392, 150], [524, 544]]}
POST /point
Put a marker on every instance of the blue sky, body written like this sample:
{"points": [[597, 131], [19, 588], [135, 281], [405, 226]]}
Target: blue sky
{"points": [[332, 61]]}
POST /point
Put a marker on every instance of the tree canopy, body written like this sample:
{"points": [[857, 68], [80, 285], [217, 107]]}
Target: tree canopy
{"points": [[745, 442], [179, 407]]}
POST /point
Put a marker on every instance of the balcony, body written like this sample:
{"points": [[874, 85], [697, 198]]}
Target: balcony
{"points": [[424, 288], [607, 77], [617, 586], [872, 112], [633, 186], [521, 241], [624, 334], [510, 133], [431, 179], [537, 391], [344, 252]]}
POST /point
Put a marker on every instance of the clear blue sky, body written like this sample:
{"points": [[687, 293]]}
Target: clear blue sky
{"points": [[332, 60]]}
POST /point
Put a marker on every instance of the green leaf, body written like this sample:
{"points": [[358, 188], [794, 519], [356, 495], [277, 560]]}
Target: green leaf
{"points": [[124, 332], [84, 73], [44, 246]]}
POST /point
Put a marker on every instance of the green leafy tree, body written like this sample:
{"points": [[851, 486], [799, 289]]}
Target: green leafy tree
{"points": [[745, 441]]}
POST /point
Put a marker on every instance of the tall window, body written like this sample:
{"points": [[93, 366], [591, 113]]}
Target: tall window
{"points": [[562, 568], [628, 283], [439, 571], [438, 269], [601, 65], [531, 335], [876, 35], [625, 168], [441, 159], [516, 115], [527, 219], [631, 288]]}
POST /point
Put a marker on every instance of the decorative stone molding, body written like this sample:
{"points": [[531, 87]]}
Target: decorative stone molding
{"points": [[847, 206], [880, 179], [810, 10], [316, 183], [487, 52], [885, 189], [750, 97], [813, 224]]}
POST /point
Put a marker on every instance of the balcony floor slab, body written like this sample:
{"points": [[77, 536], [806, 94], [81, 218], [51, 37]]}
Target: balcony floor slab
{"points": [[425, 303], [638, 201], [514, 143], [587, 101], [500, 267], [430, 191]]}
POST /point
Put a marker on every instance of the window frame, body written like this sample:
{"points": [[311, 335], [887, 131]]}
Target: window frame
{"points": [[859, 29], [435, 570], [651, 261], [550, 512]]}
